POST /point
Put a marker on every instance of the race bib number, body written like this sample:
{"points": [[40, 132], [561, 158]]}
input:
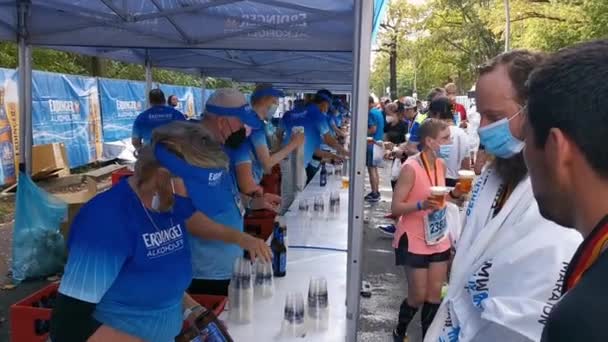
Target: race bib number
{"points": [[435, 226]]}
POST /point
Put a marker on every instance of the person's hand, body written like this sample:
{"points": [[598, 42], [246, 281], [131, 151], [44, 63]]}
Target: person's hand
{"points": [[388, 145], [297, 139], [388, 155], [464, 124], [257, 248], [431, 204], [268, 202], [343, 152]]}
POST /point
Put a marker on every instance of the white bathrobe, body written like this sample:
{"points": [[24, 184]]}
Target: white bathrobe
{"points": [[508, 270]]}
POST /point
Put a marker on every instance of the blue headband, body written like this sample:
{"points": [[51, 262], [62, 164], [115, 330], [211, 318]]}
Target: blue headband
{"points": [[325, 97], [179, 167], [267, 92], [229, 111]]}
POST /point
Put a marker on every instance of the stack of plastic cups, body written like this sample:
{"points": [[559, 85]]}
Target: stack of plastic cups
{"points": [[240, 292], [264, 287], [318, 304], [293, 320], [334, 204]]}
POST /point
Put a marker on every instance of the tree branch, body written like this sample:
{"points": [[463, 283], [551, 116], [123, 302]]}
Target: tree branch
{"points": [[536, 15]]}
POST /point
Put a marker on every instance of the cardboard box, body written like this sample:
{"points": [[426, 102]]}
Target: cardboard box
{"points": [[49, 159], [75, 201]]}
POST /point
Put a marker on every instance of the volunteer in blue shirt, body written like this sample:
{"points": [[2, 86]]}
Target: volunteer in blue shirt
{"points": [[251, 167], [225, 113], [316, 131], [129, 255], [157, 115], [375, 131]]}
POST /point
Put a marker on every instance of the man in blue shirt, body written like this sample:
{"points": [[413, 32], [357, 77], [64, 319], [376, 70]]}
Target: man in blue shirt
{"points": [[375, 132], [225, 113], [316, 131], [157, 115]]}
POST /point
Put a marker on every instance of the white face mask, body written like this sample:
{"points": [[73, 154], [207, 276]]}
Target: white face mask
{"points": [[156, 198]]}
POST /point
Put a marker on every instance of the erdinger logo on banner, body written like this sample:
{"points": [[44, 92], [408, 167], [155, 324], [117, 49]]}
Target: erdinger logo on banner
{"points": [[288, 26], [62, 110], [163, 242], [128, 108]]}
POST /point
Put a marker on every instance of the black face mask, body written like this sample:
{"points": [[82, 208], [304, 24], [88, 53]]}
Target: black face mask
{"points": [[236, 138]]}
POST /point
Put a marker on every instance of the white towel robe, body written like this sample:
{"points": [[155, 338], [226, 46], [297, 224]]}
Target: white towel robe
{"points": [[507, 272]]}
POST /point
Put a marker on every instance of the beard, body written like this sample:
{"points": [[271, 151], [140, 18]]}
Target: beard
{"points": [[513, 170]]}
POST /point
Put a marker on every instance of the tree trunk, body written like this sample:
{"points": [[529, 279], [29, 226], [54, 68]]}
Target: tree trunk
{"points": [[97, 67], [393, 68]]}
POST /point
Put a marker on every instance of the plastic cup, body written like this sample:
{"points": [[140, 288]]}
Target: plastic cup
{"points": [[293, 319], [334, 202], [438, 194], [345, 182], [240, 292], [319, 205], [465, 178], [263, 286], [318, 304]]}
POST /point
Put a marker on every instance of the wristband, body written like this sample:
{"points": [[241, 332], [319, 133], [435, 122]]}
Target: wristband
{"points": [[419, 206]]}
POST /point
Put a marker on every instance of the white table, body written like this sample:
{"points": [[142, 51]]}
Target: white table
{"points": [[301, 266], [330, 231], [317, 248]]}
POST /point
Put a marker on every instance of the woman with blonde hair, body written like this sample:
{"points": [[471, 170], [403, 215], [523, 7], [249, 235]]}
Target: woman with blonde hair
{"points": [[129, 262]]}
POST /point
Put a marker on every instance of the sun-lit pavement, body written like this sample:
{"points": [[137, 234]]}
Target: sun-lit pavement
{"points": [[378, 314]]}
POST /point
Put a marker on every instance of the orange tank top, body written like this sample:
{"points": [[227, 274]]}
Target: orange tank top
{"points": [[412, 224]]}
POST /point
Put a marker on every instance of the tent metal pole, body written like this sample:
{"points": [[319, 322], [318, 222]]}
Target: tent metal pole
{"points": [[203, 90], [25, 89], [148, 66], [361, 62]]}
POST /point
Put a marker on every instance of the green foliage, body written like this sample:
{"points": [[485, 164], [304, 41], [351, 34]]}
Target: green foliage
{"points": [[70, 63], [445, 40]]}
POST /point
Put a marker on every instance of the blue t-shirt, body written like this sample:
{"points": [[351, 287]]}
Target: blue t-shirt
{"points": [[315, 127], [134, 267], [375, 118], [152, 118], [214, 259]]}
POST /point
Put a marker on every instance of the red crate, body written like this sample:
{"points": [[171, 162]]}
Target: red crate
{"points": [[119, 174], [214, 303], [24, 316]]}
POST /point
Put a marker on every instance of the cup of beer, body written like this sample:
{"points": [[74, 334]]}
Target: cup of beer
{"points": [[345, 182], [370, 140], [438, 194], [465, 178]]}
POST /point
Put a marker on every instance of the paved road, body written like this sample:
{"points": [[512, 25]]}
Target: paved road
{"points": [[378, 314]]}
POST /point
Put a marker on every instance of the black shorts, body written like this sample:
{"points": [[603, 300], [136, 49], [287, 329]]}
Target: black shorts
{"points": [[369, 156], [405, 258]]}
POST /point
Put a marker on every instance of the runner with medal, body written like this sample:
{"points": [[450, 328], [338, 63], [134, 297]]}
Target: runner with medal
{"points": [[421, 243]]}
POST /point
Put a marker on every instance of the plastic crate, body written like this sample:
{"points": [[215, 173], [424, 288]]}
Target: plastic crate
{"points": [[25, 317], [119, 174], [213, 303]]}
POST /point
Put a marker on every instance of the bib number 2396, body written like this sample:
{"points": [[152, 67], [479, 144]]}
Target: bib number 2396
{"points": [[436, 226]]}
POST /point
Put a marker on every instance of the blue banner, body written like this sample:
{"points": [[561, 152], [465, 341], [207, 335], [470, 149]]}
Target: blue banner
{"points": [[65, 109], [9, 126], [121, 102], [185, 98], [199, 102]]}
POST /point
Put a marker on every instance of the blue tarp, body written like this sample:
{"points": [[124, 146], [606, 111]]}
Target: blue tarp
{"points": [[121, 102], [65, 109]]}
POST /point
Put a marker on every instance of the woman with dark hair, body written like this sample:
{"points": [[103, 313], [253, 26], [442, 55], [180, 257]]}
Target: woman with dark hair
{"points": [[421, 243]]}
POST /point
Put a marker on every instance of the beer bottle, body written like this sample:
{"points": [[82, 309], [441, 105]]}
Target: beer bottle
{"points": [[279, 251], [323, 177], [7, 156]]}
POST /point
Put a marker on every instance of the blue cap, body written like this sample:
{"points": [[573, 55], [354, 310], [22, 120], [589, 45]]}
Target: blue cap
{"points": [[244, 113], [267, 92]]}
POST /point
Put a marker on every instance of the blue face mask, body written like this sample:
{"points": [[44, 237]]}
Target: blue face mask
{"points": [[444, 151], [498, 140]]}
